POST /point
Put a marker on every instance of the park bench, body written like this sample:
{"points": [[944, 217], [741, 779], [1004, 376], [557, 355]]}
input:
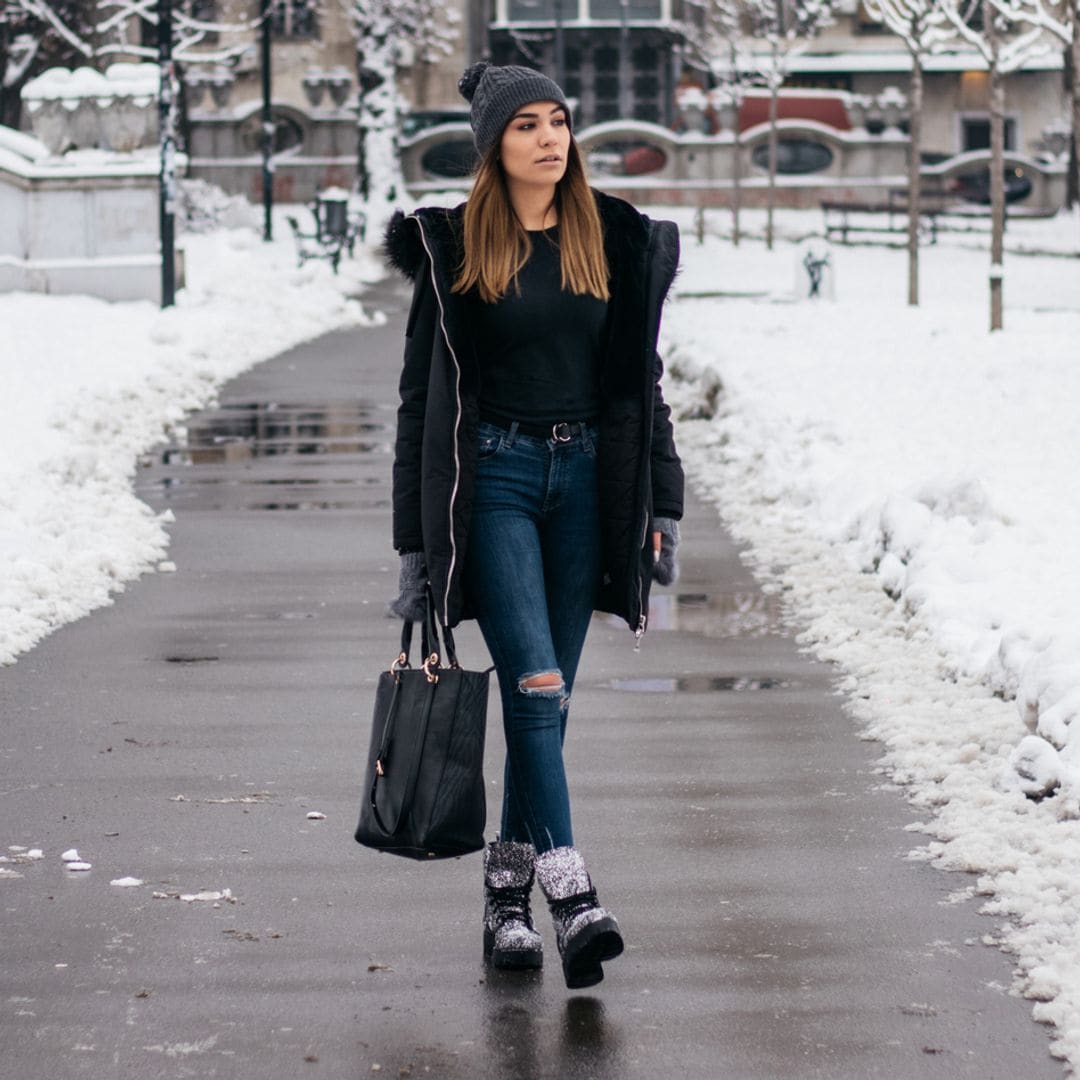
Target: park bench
{"points": [[840, 212], [940, 211], [337, 228], [316, 245]]}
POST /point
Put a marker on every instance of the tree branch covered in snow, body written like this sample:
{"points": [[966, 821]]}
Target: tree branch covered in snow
{"points": [[713, 33], [787, 27], [432, 28], [63, 25], [40, 34], [1053, 17], [921, 24], [1005, 33], [121, 16], [21, 55]]}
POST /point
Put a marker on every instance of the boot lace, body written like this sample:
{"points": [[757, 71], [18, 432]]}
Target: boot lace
{"points": [[509, 905], [565, 911]]}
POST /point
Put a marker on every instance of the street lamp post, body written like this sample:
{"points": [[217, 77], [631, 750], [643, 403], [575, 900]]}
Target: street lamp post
{"points": [[267, 140], [167, 142], [560, 45]]}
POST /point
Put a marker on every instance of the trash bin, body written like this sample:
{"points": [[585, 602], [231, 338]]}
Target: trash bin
{"points": [[332, 214]]}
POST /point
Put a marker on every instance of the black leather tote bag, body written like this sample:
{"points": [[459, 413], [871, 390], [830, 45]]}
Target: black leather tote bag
{"points": [[424, 794]]}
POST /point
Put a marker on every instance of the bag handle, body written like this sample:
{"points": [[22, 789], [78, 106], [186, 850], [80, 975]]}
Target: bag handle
{"points": [[416, 755], [429, 640]]}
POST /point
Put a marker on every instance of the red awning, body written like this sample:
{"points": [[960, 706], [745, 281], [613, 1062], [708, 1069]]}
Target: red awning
{"points": [[825, 110]]}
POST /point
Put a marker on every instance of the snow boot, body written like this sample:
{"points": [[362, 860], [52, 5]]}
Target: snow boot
{"points": [[510, 939], [586, 934]]}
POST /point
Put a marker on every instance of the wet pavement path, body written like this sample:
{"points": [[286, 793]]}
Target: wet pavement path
{"points": [[730, 814]]}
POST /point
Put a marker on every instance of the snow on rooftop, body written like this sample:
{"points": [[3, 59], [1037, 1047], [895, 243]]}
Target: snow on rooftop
{"points": [[64, 84], [22, 145], [889, 62]]}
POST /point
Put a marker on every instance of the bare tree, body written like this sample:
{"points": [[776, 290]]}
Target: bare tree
{"points": [[382, 28], [1060, 19], [714, 38], [922, 26], [788, 27], [1006, 38], [378, 32]]}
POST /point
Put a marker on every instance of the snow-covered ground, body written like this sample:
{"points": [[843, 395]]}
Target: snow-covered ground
{"points": [[910, 482], [89, 385]]}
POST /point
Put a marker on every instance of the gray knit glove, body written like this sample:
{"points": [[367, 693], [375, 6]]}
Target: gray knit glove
{"points": [[665, 570], [410, 604]]}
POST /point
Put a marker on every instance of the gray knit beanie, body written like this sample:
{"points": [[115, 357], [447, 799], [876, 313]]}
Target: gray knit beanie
{"points": [[496, 93]]}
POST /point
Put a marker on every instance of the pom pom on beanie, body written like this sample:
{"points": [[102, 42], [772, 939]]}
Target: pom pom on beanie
{"points": [[470, 80]]}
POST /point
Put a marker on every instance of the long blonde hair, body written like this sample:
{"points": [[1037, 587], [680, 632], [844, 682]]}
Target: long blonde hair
{"points": [[497, 245]]}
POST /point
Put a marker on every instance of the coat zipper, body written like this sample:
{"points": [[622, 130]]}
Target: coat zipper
{"points": [[643, 617], [457, 418]]}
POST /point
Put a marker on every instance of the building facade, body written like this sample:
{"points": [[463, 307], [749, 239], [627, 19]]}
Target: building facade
{"points": [[617, 60]]}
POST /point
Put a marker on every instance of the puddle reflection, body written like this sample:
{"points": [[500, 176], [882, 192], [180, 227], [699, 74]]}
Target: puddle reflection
{"points": [[699, 684], [748, 613], [522, 1044], [589, 1043], [241, 431]]}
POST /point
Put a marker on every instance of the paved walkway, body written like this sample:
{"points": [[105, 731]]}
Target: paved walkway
{"points": [[728, 809]]}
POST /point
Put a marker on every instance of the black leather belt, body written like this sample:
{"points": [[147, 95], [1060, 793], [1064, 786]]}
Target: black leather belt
{"points": [[561, 432]]}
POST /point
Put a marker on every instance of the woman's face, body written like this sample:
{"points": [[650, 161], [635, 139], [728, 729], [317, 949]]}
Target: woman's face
{"points": [[535, 144]]}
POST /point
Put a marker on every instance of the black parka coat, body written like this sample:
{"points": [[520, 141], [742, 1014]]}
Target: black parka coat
{"points": [[638, 469]]}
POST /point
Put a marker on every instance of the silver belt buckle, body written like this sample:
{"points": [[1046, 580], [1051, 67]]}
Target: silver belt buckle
{"points": [[561, 432]]}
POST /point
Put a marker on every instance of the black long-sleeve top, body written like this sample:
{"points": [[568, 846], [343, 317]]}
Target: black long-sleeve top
{"points": [[539, 346]]}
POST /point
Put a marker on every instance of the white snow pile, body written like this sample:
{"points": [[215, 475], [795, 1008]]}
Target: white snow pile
{"points": [[89, 385], [203, 207], [909, 480], [214, 897]]}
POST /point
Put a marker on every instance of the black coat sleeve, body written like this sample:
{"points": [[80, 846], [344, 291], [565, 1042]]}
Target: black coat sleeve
{"points": [[413, 388], [667, 470]]}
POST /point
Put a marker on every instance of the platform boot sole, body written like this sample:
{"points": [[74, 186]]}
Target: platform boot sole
{"points": [[511, 959], [587, 950]]}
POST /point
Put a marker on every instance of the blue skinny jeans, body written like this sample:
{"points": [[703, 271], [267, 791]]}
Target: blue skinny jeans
{"points": [[532, 568]]}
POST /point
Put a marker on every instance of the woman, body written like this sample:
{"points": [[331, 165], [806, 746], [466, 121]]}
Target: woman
{"points": [[535, 473]]}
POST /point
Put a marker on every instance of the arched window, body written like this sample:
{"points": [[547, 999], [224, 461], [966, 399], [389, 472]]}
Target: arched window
{"points": [[288, 134], [794, 156], [626, 157], [452, 159]]}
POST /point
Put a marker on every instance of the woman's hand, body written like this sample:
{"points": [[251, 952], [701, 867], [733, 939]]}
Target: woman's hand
{"points": [[411, 602], [665, 568]]}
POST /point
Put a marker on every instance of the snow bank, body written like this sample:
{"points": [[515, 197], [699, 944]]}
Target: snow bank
{"points": [[909, 481], [90, 385]]}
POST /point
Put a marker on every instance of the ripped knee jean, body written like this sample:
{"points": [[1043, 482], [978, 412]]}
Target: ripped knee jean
{"points": [[532, 571]]}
